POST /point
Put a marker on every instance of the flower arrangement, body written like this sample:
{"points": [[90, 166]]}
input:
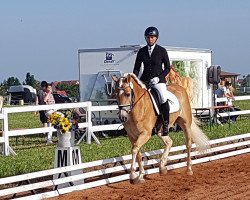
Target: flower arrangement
{"points": [[61, 123]]}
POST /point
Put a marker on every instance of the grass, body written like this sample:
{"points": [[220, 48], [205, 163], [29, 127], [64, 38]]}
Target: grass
{"points": [[34, 155]]}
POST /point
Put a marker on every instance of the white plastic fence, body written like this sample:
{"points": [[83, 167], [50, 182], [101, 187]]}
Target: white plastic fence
{"points": [[90, 129], [221, 148], [237, 98]]}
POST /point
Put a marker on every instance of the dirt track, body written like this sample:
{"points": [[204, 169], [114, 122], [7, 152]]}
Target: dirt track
{"points": [[224, 179]]}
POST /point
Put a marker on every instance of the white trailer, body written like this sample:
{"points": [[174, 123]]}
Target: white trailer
{"points": [[24, 93], [96, 66]]}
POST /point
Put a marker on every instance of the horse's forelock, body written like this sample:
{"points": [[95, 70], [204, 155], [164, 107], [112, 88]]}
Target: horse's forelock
{"points": [[136, 79]]}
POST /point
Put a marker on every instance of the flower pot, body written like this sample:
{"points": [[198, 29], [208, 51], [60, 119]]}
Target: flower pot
{"points": [[66, 140]]}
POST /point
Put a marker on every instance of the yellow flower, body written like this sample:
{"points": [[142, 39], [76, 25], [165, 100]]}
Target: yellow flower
{"points": [[59, 122]]}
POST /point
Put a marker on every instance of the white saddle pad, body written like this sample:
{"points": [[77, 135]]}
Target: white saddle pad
{"points": [[174, 104]]}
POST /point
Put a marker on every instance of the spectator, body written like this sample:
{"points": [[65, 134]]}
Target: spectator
{"points": [[225, 91], [41, 94], [229, 93], [48, 99]]}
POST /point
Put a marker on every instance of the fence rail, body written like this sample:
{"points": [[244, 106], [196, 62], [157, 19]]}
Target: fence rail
{"points": [[245, 90], [234, 113], [87, 106], [221, 148], [90, 128]]}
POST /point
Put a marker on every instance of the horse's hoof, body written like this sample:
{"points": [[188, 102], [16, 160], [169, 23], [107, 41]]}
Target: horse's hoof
{"points": [[163, 171], [131, 181], [190, 172], [133, 176], [138, 181]]}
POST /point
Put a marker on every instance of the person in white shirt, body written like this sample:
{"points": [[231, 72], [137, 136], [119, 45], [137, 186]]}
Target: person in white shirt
{"points": [[225, 91]]}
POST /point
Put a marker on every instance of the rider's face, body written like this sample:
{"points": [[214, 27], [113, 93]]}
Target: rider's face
{"points": [[151, 40]]}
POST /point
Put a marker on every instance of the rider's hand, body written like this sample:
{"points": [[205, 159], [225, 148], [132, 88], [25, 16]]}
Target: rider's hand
{"points": [[154, 80]]}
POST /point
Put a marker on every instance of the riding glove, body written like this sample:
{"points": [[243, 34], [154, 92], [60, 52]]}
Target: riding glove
{"points": [[154, 81]]}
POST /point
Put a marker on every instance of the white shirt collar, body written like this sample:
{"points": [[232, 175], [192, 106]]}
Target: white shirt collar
{"points": [[152, 47]]}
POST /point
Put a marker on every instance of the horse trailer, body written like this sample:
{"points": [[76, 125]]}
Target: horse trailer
{"points": [[96, 66], [25, 93]]}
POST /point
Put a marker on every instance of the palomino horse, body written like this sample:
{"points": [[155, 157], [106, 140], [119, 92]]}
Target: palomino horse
{"points": [[186, 82], [137, 114]]}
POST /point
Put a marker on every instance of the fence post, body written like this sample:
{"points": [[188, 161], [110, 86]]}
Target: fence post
{"points": [[5, 132], [89, 121], [7, 149]]}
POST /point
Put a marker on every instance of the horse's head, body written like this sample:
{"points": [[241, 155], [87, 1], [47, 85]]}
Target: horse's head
{"points": [[173, 76], [124, 95]]}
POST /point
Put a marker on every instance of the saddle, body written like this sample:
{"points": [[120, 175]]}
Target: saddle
{"points": [[174, 104]]}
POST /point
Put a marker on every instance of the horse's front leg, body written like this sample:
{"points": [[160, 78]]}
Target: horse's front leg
{"points": [[136, 155], [133, 174], [140, 178], [168, 143]]}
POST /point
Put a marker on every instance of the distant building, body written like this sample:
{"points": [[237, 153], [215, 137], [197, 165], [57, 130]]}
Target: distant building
{"points": [[246, 81], [55, 83], [229, 76], [72, 82], [239, 82]]}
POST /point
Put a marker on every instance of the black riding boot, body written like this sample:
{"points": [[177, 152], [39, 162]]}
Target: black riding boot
{"points": [[165, 118]]}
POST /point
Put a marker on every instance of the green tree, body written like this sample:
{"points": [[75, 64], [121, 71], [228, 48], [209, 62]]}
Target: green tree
{"points": [[3, 89], [12, 81], [30, 80], [180, 67], [4, 86], [71, 89]]}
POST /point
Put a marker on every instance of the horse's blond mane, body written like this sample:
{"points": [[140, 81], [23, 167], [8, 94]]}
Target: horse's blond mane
{"points": [[137, 80]]}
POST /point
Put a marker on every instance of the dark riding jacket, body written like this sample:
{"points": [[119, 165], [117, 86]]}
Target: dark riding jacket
{"points": [[152, 64]]}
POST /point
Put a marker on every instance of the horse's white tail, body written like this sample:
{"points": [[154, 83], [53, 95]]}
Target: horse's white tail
{"points": [[199, 137]]}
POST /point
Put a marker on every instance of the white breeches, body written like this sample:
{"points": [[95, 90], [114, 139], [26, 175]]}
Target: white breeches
{"points": [[162, 90]]}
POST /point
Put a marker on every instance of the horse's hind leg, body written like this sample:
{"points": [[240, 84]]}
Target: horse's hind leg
{"points": [[188, 137], [168, 143], [189, 146]]}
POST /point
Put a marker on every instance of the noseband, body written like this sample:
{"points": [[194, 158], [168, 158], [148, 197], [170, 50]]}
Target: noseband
{"points": [[127, 107]]}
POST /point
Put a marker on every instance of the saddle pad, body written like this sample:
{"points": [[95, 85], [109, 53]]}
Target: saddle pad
{"points": [[174, 104]]}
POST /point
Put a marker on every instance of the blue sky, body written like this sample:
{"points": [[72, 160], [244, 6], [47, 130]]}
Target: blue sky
{"points": [[43, 37]]}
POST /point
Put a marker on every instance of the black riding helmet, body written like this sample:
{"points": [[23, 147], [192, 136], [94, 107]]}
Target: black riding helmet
{"points": [[151, 31]]}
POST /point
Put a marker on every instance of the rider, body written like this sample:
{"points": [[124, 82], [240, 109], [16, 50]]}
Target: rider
{"points": [[156, 67]]}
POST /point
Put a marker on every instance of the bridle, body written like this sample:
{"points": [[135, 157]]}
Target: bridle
{"points": [[128, 107]]}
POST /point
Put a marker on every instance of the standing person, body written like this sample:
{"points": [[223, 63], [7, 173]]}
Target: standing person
{"points": [[156, 67], [48, 99], [40, 101]]}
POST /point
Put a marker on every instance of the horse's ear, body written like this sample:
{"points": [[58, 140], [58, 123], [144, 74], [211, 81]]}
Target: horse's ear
{"points": [[128, 78], [114, 78]]}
